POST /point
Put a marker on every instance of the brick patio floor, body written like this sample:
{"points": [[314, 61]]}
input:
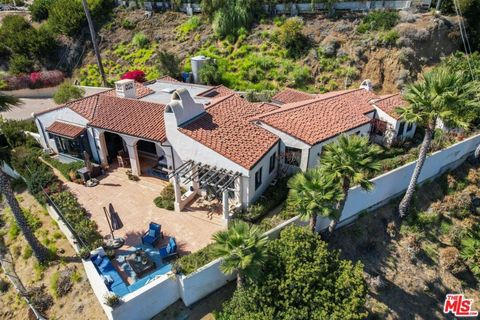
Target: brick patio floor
{"points": [[133, 201]]}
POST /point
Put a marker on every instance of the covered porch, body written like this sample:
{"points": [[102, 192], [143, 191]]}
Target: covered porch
{"points": [[142, 156]]}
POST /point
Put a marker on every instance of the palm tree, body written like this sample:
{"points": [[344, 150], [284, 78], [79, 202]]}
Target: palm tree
{"points": [[349, 161], [312, 195], [441, 94], [242, 248], [40, 252]]}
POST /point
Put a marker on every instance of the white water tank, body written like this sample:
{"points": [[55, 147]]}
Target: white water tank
{"points": [[197, 63]]}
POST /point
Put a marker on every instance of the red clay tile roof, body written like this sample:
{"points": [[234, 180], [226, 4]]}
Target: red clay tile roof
{"points": [[65, 129], [133, 117], [389, 103], [226, 129], [168, 79], [217, 92], [289, 95], [313, 121]]}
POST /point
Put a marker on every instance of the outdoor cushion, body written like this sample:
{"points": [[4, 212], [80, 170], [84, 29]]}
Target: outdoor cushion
{"points": [[120, 289], [104, 265], [151, 233], [98, 260], [148, 239]]}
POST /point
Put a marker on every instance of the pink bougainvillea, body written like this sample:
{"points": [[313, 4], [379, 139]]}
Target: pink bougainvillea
{"points": [[137, 75], [34, 80]]}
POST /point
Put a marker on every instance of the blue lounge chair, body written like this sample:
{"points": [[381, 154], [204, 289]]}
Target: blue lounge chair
{"points": [[170, 250], [153, 234]]}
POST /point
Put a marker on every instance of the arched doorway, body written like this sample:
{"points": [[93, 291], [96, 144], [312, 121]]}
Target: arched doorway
{"points": [[115, 146]]}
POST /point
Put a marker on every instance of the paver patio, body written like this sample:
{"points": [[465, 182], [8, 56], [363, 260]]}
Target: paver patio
{"points": [[133, 201]]}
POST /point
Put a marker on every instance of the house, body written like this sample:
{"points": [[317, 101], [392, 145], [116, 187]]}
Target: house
{"points": [[209, 139], [392, 129]]}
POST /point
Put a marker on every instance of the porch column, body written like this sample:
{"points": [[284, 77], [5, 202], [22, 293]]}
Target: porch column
{"points": [[133, 154], [226, 213], [102, 148], [239, 191], [178, 193]]}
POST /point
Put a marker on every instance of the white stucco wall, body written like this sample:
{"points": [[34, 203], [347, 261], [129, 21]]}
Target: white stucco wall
{"points": [[395, 182], [149, 300], [43, 121], [395, 124], [316, 150], [267, 177]]}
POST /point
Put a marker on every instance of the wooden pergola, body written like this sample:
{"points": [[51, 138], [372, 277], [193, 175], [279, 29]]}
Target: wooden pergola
{"points": [[217, 182]]}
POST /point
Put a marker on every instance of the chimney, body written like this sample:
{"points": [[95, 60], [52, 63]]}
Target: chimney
{"points": [[125, 89], [197, 63], [183, 107], [367, 85]]}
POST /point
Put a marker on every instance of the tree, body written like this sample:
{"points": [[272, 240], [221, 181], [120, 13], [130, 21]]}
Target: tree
{"points": [[94, 43], [209, 74], [40, 252], [168, 64], [39, 9], [301, 279], [67, 92], [311, 194], [291, 36], [441, 94], [242, 248], [349, 161]]}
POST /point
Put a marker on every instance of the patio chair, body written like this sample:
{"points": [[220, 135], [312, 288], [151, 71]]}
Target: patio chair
{"points": [[170, 250], [153, 234]]}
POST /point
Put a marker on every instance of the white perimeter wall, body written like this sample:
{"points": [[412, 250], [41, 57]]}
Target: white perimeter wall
{"points": [[393, 183]]}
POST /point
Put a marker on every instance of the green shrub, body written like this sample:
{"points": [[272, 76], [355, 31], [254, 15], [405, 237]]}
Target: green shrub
{"points": [[291, 36], [192, 24], [33, 221], [168, 64], [210, 74], [127, 24], [65, 169], [39, 9], [77, 217], [27, 252], [389, 37], [301, 279], [167, 197], [378, 21], [189, 263], [20, 64], [67, 92], [13, 231], [470, 250], [13, 130], [140, 40], [4, 285], [271, 198], [111, 300]]}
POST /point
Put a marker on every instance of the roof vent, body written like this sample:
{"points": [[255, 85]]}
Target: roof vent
{"points": [[125, 88], [367, 85]]}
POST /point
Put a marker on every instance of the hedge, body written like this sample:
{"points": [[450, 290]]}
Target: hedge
{"points": [[190, 263]]}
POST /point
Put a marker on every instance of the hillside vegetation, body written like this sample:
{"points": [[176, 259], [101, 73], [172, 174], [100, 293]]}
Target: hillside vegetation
{"points": [[314, 53]]}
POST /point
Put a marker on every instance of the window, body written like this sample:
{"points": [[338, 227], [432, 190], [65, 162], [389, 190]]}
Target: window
{"points": [[72, 147], [272, 162], [409, 127], [258, 178], [293, 156], [400, 129]]}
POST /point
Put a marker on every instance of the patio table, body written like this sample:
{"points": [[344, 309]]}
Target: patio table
{"points": [[141, 263]]}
